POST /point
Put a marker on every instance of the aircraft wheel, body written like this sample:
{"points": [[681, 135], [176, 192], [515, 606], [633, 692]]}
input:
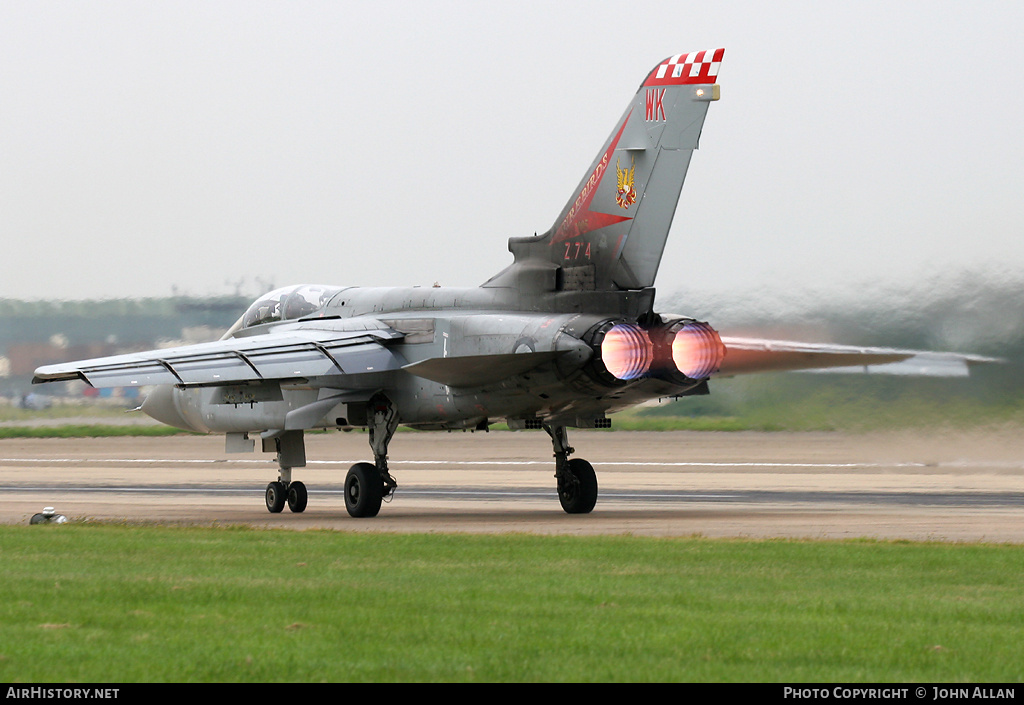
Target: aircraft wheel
{"points": [[38, 519], [297, 497], [276, 494], [364, 490], [578, 492]]}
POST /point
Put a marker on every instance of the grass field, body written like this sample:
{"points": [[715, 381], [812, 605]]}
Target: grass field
{"points": [[114, 603]]}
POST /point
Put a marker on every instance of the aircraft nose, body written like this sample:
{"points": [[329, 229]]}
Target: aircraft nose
{"points": [[161, 405]]}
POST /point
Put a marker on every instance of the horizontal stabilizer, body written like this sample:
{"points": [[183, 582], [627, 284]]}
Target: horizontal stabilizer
{"points": [[478, 370], [747, 355]]}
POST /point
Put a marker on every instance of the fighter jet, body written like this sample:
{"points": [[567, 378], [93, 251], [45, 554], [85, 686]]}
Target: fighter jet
{"points": [[564, 336]]}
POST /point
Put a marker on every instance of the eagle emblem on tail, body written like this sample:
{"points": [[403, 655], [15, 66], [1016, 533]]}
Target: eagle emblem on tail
{"points": [[625, 195]]}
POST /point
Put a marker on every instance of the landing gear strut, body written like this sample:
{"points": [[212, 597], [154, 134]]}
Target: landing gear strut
{"points": [[291, 452], [577, 481], [366, 485]]}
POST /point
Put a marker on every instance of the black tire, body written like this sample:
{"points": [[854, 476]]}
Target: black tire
{"points": [[38, 519], [297, 497], [276, 494], [364, 490], [578, 493]]}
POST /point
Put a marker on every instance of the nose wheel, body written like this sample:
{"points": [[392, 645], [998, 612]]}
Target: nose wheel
{"points": [[291, 453], [293, 494], [297, 497], [276, 494]]}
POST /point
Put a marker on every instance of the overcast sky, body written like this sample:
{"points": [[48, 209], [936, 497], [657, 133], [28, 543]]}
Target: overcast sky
{"points": [[208, 146]]}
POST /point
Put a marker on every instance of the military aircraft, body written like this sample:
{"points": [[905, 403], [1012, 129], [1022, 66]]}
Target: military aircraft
{"points": [[562, 337]]}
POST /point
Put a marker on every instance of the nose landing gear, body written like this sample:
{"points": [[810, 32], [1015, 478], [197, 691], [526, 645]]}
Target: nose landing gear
{"points": [[291, 452]]}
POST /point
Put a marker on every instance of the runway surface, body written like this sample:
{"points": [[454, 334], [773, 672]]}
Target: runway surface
{"points": [[939, 487]]}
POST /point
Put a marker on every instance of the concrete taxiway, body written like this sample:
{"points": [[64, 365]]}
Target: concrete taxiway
{"points": [[919, 486]]}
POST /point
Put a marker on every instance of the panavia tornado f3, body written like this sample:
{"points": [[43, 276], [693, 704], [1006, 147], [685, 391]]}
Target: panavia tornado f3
{"points": [[564, 336]]}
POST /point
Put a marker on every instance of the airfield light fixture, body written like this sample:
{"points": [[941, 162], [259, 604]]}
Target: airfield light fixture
{"points": [[48, 516]]}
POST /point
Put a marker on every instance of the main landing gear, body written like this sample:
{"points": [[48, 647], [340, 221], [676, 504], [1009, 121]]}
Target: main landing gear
{"points": [[367, 485], [577, 481]]}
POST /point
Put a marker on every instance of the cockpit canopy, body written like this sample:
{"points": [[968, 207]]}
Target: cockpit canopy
{"points": [[288, 303]]}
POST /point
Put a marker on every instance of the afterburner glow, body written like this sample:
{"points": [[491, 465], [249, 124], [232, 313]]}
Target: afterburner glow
{"points": [[697, 350], [627, 351]]}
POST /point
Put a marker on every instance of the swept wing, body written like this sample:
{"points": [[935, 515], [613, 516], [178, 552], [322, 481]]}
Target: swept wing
{"points": [[297, 354]]}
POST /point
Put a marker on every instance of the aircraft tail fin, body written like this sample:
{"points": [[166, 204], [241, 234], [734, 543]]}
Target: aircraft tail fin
{"points": [[612, 232]]}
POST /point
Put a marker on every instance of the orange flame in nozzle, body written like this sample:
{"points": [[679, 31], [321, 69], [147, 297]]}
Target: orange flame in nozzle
{"points": [[627, 351], [697, 350]]}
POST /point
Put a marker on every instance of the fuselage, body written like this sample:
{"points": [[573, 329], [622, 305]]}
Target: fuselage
{"points": [[539, 365]]}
